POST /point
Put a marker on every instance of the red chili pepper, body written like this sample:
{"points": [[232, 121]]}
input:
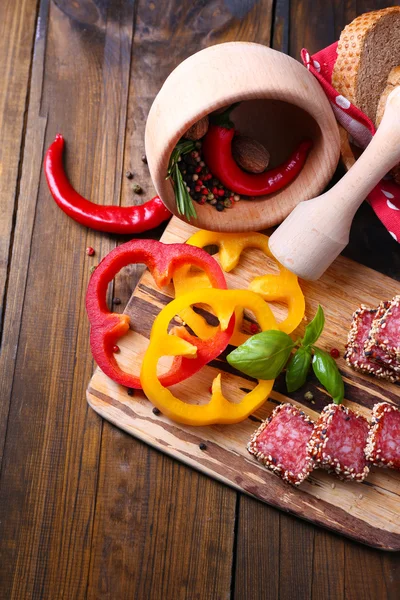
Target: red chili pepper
{"points": [[106, 327], [113, 219], [217, 153]]}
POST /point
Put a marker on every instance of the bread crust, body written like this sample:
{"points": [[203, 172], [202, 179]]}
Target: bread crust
{"points": [[349, 51], [393, 81]]}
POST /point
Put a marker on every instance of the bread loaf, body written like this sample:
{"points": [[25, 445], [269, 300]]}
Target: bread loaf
{"points": [[368, 49], [392, 82]]}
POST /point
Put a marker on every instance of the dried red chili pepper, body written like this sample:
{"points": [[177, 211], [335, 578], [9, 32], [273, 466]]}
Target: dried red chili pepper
{"points": [[113, 219], [106, 327], [217, 154]]}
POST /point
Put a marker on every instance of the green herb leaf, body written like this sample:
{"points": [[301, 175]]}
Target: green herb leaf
{"points": [[314, 329], [264, 355], [184, 202], [326, 371], [296, 372]]}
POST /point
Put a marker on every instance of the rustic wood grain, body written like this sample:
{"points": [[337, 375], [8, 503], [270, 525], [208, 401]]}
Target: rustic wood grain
{"points": [[17, 26], [49, 474], [192, 28], [68, 457], [257, 551], [149, 509]]}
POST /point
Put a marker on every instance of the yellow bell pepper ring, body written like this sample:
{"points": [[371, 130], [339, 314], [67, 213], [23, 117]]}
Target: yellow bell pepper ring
{"points": [[219, 409], [282, 287]]}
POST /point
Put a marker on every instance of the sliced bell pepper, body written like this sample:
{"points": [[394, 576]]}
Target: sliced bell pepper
{"points": [[106, 327], [283, 287], [219, 409]]}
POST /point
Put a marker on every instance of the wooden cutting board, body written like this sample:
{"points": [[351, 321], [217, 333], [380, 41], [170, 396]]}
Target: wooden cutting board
{"points": [[368, 512]]}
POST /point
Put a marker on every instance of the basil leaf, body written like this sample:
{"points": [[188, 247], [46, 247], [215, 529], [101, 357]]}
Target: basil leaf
{"points": [[314, 329], [326, 370], [296, 372], [264, 355]]}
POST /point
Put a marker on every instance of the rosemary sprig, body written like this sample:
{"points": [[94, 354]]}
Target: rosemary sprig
{"points": [[184, 202]]}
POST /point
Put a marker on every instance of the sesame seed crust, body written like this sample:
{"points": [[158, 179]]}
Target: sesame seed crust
{"points": [[270, 461], [382, 414], [317, 445], [355, 355], [383, 338]]}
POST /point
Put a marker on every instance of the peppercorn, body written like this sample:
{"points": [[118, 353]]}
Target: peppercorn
{"points": [[203, 446], [254, 328], [210, 196], [144, 159], [129, 174], [191, 169], [213, 201], [92, 269], [204, 191], [219, 206], [116, 301], [335, 353], [131, 392], [156, 411], [116, 349], [309, 396], [227, 203], [236, 198], [221, 193], [195, 177], [90, 251], [137, 188]]}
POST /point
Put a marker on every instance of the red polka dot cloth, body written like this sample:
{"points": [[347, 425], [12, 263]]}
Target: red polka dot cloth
{"points": [[385, 197]]}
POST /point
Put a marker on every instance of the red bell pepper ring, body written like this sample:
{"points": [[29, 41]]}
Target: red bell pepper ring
{"points": [[109, 218], [217, 154], [106, 327]]}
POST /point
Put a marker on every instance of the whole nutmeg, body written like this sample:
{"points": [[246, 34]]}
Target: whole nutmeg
{"points": [[197, 130], [250, 154]]}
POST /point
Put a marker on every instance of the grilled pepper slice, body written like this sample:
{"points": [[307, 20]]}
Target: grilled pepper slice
{"points": [[106, 327], [283, 287], [219, 409]]}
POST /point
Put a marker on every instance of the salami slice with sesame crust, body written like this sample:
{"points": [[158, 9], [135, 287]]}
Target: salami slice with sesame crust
{"points": [[280, 443], [385, 332], [338, 442], [358, 336], [383, 444]]}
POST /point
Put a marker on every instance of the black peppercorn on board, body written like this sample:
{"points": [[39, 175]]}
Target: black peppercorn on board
{"points": [[368, 512]]}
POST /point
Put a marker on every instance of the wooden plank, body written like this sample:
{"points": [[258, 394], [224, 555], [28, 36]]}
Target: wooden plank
{"points": [[17, 27], [370, 575], [162, 530], [328, 566], [258, 552], [296, 558], [367, 234], [362, 518], [191, 28], [49, 475]]}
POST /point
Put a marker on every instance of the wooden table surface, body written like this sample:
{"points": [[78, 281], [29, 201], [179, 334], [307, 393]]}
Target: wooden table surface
{"points": [[86, 511]]}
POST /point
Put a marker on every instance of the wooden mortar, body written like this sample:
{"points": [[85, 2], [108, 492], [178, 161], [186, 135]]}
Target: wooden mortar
{"points": [[282, 104]]}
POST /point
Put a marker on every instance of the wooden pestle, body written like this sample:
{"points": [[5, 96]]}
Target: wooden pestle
{"points": [[317, 230]]}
